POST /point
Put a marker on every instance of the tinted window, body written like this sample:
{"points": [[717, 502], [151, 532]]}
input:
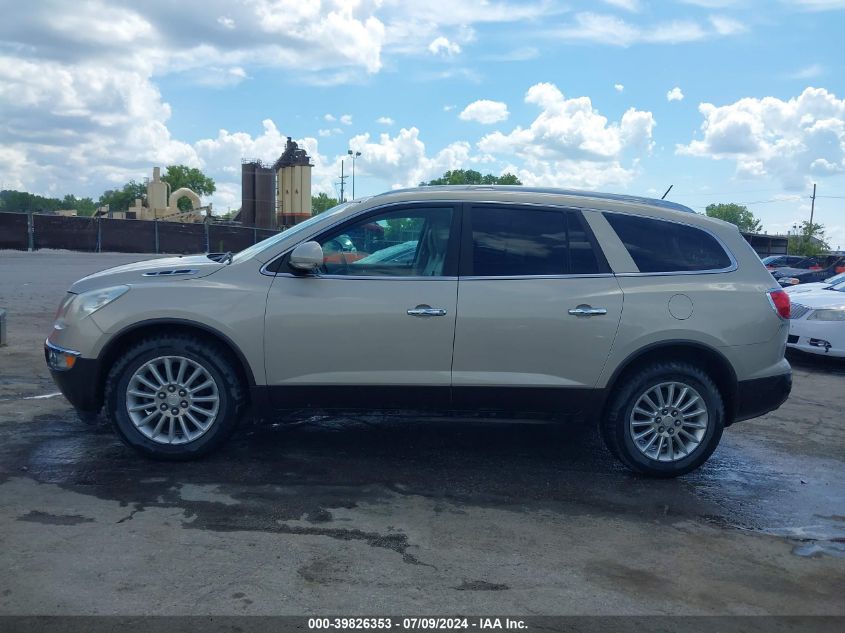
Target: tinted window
{"points": [[412, 242], [657, 246], [517, 241]]}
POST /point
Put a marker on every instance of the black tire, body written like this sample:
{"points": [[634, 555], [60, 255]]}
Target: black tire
{"points": [[212, 358], [615, 425]]}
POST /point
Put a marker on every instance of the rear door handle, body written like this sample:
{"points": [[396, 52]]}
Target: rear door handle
{"points": [[587, 311], [426, 311]]}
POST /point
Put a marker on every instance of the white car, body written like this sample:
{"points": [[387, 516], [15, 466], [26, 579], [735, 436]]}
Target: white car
{"points": [[817, 323], [819, 285]]}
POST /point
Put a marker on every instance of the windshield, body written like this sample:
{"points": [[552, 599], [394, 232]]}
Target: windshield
{"points": [[835, 279], [771, 259], [840, 287], [253, 250]]}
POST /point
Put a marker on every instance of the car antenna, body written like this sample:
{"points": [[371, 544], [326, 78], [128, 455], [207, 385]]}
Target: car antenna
{"points": [[663, 197]]}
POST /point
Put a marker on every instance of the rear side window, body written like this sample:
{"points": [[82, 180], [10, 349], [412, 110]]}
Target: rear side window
{"points": [[657, 246], [513, 241]]}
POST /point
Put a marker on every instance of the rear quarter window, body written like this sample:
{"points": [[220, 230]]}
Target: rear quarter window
{"points": [[658, 246]]}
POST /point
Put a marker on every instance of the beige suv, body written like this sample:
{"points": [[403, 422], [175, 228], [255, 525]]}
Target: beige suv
{"points": [[658, 324]]}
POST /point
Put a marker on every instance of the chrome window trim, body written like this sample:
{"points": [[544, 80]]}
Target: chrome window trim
{"points": [[367, 277], [670, 273], [515, 277], [564, 207]]}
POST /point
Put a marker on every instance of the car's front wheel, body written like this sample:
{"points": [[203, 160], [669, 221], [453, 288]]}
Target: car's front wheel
{"points": [[174, 397], [665, 419]]}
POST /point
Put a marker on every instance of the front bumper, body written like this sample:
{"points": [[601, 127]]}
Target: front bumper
{"points": [[760, 396], [80, 383]]}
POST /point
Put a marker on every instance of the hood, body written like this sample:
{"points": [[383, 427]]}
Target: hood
{"points": [[777, 273], [804, 288], [151, 270], [822, 299]]}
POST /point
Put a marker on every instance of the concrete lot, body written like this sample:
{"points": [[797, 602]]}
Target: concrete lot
{"points": [[370, 516]]}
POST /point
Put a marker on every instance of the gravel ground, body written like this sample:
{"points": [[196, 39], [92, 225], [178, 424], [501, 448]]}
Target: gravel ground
{"points": [[377, 516]]}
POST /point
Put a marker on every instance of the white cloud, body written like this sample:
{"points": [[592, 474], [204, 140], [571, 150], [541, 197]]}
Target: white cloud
{"points": [[346, 119], [330, 118], [613, 30], [385, 120], [485, 111], [819, 5], [572, 144], [448, 108], [808, 72], [627, 5], [675, 94], [790, 140], [325, 132], [618, 87], [442, 46], [727, 26], [226, 22], [402, 160]]}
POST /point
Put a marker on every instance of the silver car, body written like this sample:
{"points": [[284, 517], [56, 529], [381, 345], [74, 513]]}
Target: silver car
{"points": [[658, 324]]}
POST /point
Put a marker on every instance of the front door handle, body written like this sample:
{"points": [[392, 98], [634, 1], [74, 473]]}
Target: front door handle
{"points": [[587, 311], [426, 311]]}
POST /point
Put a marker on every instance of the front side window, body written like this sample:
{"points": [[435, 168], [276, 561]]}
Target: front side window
{"points": [[658, 246], [529, 242], [408, 243]]}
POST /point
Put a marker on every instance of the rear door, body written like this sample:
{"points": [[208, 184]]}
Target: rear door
{"points": [[538, 309]]}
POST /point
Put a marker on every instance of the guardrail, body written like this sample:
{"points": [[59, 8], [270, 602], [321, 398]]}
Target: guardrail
{"points": [[29, 232]]}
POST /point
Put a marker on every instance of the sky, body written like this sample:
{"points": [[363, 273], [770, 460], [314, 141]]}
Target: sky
{"points": [[726, 100]]}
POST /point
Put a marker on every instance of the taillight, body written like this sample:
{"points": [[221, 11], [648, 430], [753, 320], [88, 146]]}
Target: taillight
{"points": [[779, 301]]}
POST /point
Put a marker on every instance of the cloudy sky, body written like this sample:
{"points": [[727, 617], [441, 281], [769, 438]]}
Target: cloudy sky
{"points": [[728, 100]]}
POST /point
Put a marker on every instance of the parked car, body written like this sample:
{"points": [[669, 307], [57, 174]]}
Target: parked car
{"points": [[773, 262], [817, 324], [512, 301], [816, 285], [792, 277]]}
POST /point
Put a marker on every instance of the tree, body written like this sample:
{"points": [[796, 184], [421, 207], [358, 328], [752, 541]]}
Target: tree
{"points": [[472, 177], [321, 202], [809, 241], [122, 199], [735, 214], [178, 176]]}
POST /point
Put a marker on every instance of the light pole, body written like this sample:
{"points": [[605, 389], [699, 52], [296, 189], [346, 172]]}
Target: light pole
{"points": [[354, 156]]}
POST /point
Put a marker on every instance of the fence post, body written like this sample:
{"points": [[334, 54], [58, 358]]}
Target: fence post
{"points": [[254, 235], [99, 235], [155, 223], [30, 231], [207, 245]]}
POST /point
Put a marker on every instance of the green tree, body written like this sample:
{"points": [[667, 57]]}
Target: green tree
{"points": [[472, 177], [735, 214], [25, 202], [122, 199], [322, 202], [809, 241], [178, 176]]}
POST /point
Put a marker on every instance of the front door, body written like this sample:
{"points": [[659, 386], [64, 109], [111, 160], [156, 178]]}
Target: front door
{"points": [[374, 326], [538, 310]]}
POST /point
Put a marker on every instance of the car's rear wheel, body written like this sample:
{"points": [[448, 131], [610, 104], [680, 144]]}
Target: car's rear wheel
{"points": [[665, 419], [174, 397]]}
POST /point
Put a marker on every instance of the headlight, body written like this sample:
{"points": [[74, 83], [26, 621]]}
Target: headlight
{"points": [[835, 314], [789, 281], [76, 307]]}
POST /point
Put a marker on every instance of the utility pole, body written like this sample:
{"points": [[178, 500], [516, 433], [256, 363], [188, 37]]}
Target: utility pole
{"points": [[812, 206], [342, 180]]}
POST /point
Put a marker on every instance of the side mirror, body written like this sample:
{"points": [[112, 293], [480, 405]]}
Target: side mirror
{"points": [[307, 256]]}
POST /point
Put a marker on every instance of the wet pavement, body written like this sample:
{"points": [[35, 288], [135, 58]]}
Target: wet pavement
{"points": [[367, 515]]}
